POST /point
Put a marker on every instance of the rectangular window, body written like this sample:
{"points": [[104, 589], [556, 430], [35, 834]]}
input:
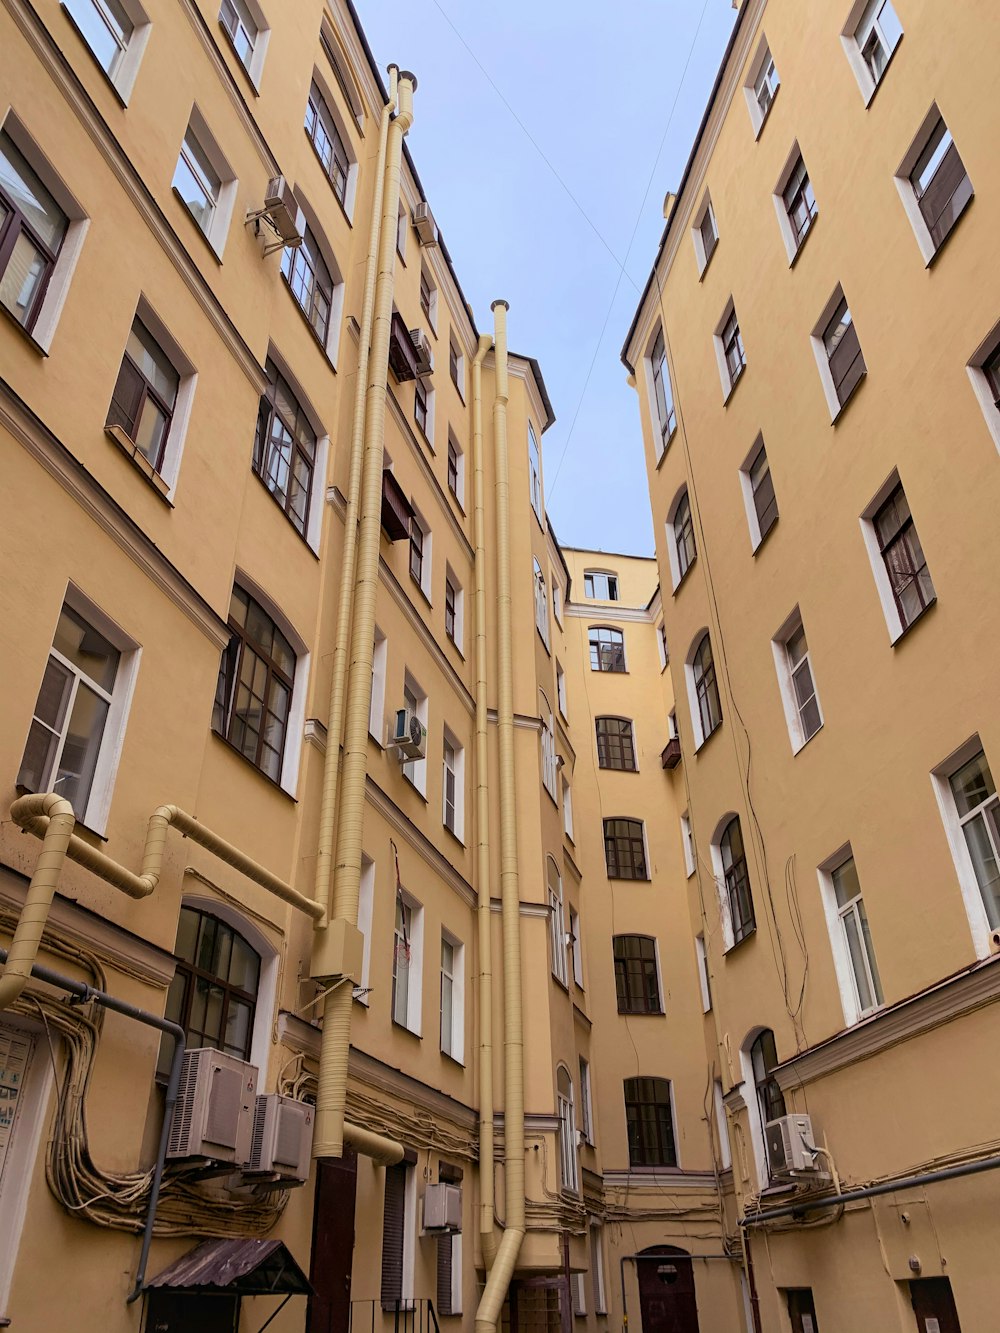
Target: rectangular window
{"points": [[534, 472], [974, 793], [597, 1267], [586, 1102], [709, 234], [600, 586], [703, 977], [453, 786], [106, 28], [456, 471], [576, 947], [934, 1305], [197, 182], [729, 349], [452, 998], [801, 1310], [550, 761], [325, 138], [637, 982], [284, 452], [800, 203], [903, 557], [366, 908], [416, 552], [663, 394], [32, 230], [579, 1295], [420, 405], [615, 744], [449, 1273], [557, 924], [449, 609], [380, 654], [454, 365], [649, 1119], [567, 805], [561, 689], [725, 1151], [876, 37], [857, 937], [687, 845], [796, 682], [843, 353], [394, 1238], [145, 395], [758, 487], [415, 700], [425, 294], [941, 185], [239, 24], [625, 849], [311, 283], [78, 718], [406, 963], [991, 370], [761, 86]]}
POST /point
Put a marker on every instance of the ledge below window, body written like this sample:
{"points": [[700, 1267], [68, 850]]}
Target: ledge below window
{"points": [[139, 460]]}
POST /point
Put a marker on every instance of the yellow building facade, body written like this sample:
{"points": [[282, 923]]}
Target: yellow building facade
{"points": [[816, 359]]}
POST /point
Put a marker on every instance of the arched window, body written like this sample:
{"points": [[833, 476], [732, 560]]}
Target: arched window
{"points": [[607, 648], [541, 605], [650, 1123], [706, 690], [284, 451], [569, 1178], [311, 283], [682, 530], [637, 983], [615, 744], [557, 921], [625, 849], [734, 868], [213, 995], [763, 1059]]}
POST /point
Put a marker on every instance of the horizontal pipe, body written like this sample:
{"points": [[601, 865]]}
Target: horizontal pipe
{"points": [[872, 1191], [387, 1152]]}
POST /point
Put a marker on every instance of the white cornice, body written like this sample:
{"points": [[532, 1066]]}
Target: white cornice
{"points": [[523, 909], [520, 720], [932, 1008], [86, 113], [95, 502]]}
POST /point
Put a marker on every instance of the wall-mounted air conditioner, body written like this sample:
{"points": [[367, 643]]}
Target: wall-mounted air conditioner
{"points": [[282, 1138], [409, 735], [281, 207], [215, 1107], [789, 1141], [425, 356], [424, 225], [443, 1208]]}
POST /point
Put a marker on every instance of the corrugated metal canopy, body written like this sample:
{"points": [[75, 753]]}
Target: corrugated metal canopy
{"points": [[250, 1267]]}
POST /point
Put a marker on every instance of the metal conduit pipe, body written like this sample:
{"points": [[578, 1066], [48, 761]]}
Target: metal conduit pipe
{"points": [[84, 993], [51, 818], [335, 718], [498, 1281], [872, 1191], [331, 1098], [487, 1227]]}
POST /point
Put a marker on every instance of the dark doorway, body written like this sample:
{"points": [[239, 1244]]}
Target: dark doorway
{"points": [[333, 1244], [666, 1291], [191, 1312], [934, 1305]]}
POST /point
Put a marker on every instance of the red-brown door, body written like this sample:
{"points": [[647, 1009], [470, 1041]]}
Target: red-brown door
{"points": [[333, 1244], [934, 1305], [666, 1291]]}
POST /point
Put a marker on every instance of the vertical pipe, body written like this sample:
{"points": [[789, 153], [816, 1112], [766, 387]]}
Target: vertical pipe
{"points": [[491, 1304], [331, 1097], [487, 1231], [335, 720]]}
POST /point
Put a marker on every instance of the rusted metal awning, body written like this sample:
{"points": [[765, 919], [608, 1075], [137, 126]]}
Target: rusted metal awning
{"points": [[246, 1267]]}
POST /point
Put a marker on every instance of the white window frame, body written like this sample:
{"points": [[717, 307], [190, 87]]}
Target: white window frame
{"points": [[569, 1166], [661, 644], [567, 806], [601, 581], [426, 580], [541, 605], [793, 245], [314, 525], [550, 760], [122, 77], [29, 1124], [415, 770], [431, 312], [893, 621], [786, 683], [843, 964], [975, 908], [725, 1148], [455, 1048], [761, 61], [865, 15], [980, 385], [701, 954], [561, 689], [692, 692], [414, 972], [459, 598], [673, 551], [535, 472], [753, 1110], [579, 1295], [557, 921], [217, 229], [366, 907], [557, 598], [459, 491], [458, 379], [576, 946], [333, 110], [262, 36], [663, 431], [703, 258], [817, 340], [904, 186], [728, 383], [749, 500], [402, 227], [332, 344], [586, 1103], [98, 808], [597, 1273], [721, 887], [77, 225], [458, 772], [687, 844], [376, 711]]}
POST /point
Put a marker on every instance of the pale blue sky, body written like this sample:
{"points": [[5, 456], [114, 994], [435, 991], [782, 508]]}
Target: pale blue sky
{"points": [[594, 85]]}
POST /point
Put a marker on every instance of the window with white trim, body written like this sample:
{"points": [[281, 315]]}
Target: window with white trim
{"points": [[870, 36], [681, 549], [837, 349], [576, 946], [607, 648], [625, 849], [424, 397], [428, 297], [541, 604], [330, 145], [759, 499], [311, 283], [380, 654], [454, 609], [637, 974], [78, 728], [599, 585], [244, 24], [725, 1151], [366, 909], [557, 598], [407, 962], [205, 183], [761, 86], [567, 807], [421, 551], [26, 1079], [453, 786], [933, 184], [550, 761], [703, 690], [597, 1267], [41, 234], [703, 978], [285, 451], [795, 203], [898, 562], [687, 844], [586, 1101], [663, 394], [984, 374], [456, 367], [557, 920], [415, 700], [534, 472], [796, 682], [561, 689], [456, 470], [579, 1295], [569, 1171], [662, 645], [850, 937], [732, 878], [729, 351], [116, 34], [705, 234], [974, 797], [452, 997]]}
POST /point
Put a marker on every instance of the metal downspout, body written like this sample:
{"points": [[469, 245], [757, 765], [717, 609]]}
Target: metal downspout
{"points": [[331, 1097], [498, 1281], [335, 718], [487, 1228]]}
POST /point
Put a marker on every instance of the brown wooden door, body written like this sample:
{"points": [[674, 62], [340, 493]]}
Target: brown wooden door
{"points": [[333, 1244], [667, 1301], [934, 1305]]}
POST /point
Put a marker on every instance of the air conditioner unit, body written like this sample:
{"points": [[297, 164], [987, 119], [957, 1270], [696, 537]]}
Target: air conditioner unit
{"points": [[424, 225], [443, 1208], [409, 735], [283, 211], [425, 356], [282, 1138], [789, 1149], [215, 1108]]}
